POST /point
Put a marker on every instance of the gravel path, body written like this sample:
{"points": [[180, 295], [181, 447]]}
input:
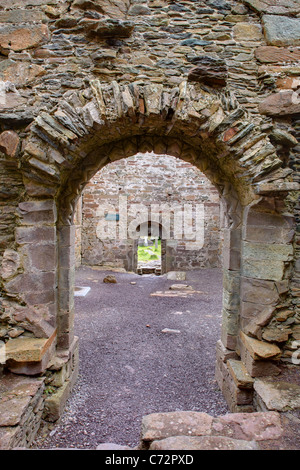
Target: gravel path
{"points": [[129, 367]]}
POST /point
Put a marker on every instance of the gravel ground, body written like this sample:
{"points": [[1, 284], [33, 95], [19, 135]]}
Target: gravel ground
{"points": [[129, 367]]}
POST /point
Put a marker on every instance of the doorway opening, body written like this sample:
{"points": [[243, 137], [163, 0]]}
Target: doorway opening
{"points": [[149, 249], [149, 214], [149, 255]]}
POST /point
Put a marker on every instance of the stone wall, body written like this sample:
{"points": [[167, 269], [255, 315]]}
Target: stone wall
{"points": [[146, 181], [216, 84]]}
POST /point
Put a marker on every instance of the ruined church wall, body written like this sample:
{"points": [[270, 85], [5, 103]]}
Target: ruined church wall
{"points": [[150, 183]]}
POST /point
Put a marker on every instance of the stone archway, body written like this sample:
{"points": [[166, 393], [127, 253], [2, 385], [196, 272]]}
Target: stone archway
{"points": [[88, 130]]}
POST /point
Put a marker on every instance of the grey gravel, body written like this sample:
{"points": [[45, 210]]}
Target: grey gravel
{"points": [[129, 367]]}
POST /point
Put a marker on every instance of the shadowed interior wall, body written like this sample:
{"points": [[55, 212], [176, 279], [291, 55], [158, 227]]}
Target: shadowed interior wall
{"points": [[160, 183]]}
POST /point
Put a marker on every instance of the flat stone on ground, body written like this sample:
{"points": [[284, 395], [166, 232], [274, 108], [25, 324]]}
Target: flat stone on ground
{"points": [[256, 426], [111, 446], [180, 287], [176, 275], [162, 425], [202, 443]]}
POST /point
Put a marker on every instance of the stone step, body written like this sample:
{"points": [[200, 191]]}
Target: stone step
{"points": [[203, 443], [198, 430]]}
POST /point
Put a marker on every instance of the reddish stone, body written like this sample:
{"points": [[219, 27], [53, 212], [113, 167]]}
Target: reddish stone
{"points": [[281, 104], [288, 83], [255, 426], [272, 54], [19, 38], [229, 134], [9, 143]]}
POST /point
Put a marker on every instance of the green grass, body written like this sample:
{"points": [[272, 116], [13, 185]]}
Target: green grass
{"points": [[143, 254]]}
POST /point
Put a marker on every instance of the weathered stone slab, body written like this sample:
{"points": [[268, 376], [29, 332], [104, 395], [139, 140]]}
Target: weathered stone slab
{"points": [[176, 275], [260, 349], [19, 38], [162, 425], [267, 251], [276, 188], [247, 32], [56, 402], [257, 426], [108, 28], [180, 287], [7, 437], [272, 54], [9, 143], [27, 349], [280, 104], [274, 7], [21, 15], [115, 9], [16, 395], [37, 212], [281, 30], [20, 73], [280, 396], [11, 264], [11, 411], [283, 138], [11, 100], [258, 368], [202, 443], [258, 291]]}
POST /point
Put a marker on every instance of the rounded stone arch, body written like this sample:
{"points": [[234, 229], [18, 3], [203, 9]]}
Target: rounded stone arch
{"points": [[103, 123], [107, 122]]}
